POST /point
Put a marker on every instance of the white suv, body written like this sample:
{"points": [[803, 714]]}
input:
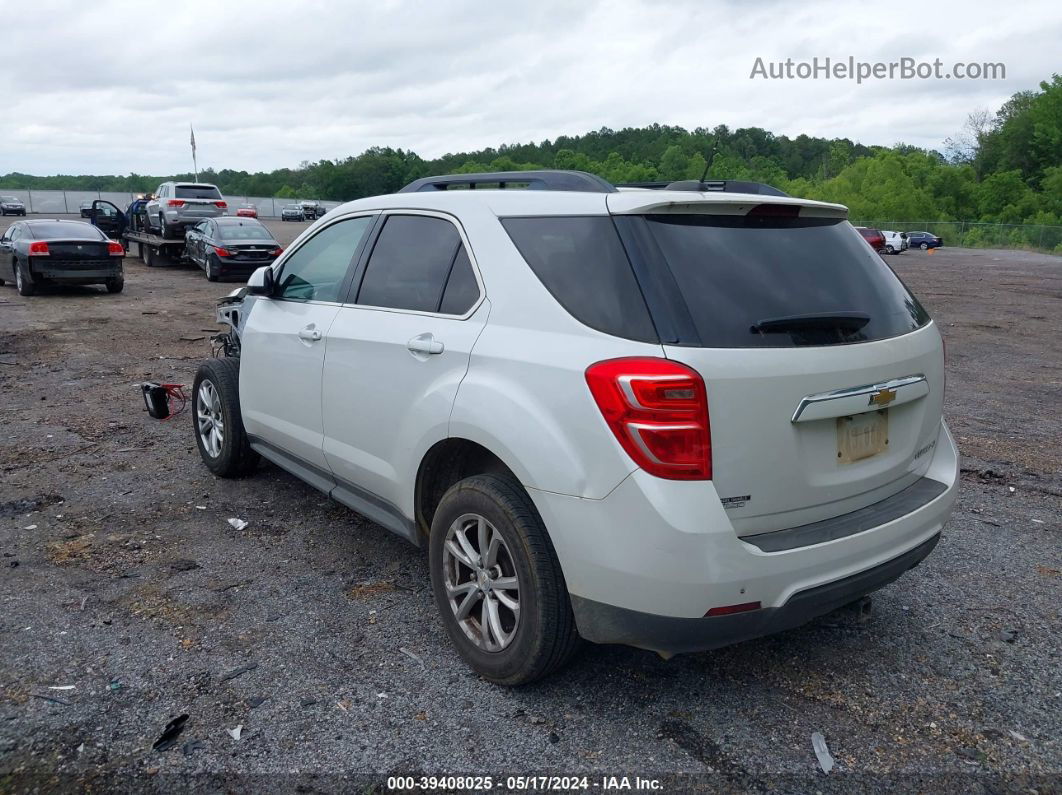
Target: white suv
{"points": [[674, 418]]}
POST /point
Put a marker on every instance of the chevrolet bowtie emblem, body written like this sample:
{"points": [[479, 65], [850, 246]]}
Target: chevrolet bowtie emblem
{"points": [[882, 397]]}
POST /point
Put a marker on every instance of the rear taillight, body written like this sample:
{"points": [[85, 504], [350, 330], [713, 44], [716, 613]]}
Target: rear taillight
{"points": [[115, 249], [277, 251], [222, 252], [38, 248], [175, 203], [658, 410], [222, 205]]}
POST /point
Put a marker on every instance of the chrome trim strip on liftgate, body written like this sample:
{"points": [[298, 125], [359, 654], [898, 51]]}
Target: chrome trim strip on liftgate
{"points": [[869, 389]]}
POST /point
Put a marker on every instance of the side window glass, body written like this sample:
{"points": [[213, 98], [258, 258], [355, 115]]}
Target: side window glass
{"points": [[410, 263], [461, 288], [316, 270]]}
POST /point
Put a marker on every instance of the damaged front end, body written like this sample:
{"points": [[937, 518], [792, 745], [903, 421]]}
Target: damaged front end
{"points": [[231, 311]]}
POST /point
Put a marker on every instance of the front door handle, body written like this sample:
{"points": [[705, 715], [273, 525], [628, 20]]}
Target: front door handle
{"points": [[425, 343], [310, 334]]}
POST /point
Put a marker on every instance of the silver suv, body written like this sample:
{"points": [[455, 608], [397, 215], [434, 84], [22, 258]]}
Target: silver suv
{"points": [[181, 204]]}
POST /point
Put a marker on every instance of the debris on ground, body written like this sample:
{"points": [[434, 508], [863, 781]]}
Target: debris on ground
{"points": [[53, 699], [169, 735], [237, 524], [412, 656], [822, 753], [1008, 635], [239, 671], [363, 590], [236, 733]]}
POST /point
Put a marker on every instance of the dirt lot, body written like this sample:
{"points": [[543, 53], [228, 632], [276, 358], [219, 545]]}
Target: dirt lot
{"points": [[314, 629]]}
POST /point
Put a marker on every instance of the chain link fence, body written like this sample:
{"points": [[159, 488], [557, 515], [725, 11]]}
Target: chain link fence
{"points": [[970, 234], [68, 202]]}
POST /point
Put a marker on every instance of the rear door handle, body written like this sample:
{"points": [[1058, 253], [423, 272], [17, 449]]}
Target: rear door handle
{"points": [[425, 343], [310, 334]]}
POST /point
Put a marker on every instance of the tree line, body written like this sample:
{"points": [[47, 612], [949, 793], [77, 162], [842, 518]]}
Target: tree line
{"points": [[1002, 168]]}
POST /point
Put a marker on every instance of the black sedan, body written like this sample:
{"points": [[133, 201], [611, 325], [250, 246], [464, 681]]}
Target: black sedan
{"points": [[68, 252], [230, 246], [10, 205], [924, 240]]}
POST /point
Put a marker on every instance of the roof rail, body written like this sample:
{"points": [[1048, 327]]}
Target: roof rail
{"points": [[534, 180]]}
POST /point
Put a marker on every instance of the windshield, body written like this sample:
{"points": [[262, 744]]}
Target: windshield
{"points": [[8, 199], [244, 231], [737, 272], [197, 192], [68, 231]]}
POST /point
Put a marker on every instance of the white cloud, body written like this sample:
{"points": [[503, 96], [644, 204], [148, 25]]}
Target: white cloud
{"points": [[110, 87]]}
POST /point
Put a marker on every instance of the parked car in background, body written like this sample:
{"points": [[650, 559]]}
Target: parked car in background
{"points": [[312, 210], [875, 239], [230, 246], [292, 212], [895, 242], [178, 205], [924, 240], [722, 447], [9, 205], [68, 252], [247, 211]]}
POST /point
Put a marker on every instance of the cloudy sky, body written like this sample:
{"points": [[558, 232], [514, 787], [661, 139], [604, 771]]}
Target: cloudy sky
{"points": [[111, 87]]}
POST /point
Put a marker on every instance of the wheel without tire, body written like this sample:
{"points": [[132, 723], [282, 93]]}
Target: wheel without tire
{"points": [[115, 285], [217, 421], [22, 280], [497, 582]]}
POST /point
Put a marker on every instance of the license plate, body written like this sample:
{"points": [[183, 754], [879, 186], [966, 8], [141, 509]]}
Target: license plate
{"points": [[862, 436]]}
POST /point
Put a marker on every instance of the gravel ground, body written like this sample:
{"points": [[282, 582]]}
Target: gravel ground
{"points": [[126, 598]]}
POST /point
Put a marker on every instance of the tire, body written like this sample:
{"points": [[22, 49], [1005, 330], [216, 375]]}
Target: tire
{"points": [[164, 230], [924, 246], [543, 637], [115, 285], [211, 273], [216, 396], [151, 257], [890, 250], [22, 280]]}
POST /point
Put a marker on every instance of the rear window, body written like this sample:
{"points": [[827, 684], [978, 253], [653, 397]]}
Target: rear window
{"points": [[581, 261], [68, 231], [755, 282], [243, 231], [197, 192]]}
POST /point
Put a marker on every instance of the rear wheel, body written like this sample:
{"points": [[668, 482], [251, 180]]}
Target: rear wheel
{"points": [[115, 285], [924, 246], [497, 582], [211, 269], [22, 280], [217, 421], [890, 249]]}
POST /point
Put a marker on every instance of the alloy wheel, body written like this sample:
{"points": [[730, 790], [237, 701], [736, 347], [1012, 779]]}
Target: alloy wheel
{"points": [[211, 423], [481, 581]]}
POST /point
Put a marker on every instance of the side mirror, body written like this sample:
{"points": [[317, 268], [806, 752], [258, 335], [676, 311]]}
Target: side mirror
{"points": [[261, 281]]}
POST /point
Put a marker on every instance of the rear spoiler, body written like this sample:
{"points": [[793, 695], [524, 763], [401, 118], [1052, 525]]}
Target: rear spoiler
{"points": [[650, 202]]}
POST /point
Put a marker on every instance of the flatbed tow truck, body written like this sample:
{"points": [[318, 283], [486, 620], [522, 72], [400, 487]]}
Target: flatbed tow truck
{"points": [[153, 250]]}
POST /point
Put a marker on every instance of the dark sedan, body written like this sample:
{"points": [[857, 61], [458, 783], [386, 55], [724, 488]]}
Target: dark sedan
{"points": [[924, 240], [230, 246], [68, 252], [10, 205]]}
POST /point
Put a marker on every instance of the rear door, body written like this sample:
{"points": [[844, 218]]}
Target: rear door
{"points": [[397, 353], [824, 375], [284, 343]]}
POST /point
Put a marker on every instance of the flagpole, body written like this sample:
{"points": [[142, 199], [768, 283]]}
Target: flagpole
{"points": [[195, 166]]}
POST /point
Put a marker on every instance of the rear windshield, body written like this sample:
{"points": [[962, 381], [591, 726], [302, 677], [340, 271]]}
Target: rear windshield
{"points": [[68, 231], [197, 192], [243, 231], [754, 282]]}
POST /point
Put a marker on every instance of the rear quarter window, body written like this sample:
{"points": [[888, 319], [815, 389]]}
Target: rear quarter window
{"points": [[582, 263]]}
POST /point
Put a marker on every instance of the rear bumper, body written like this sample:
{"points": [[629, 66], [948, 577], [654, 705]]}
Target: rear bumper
{"points": [[608, 624], [645, 564], [90, 273]]}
